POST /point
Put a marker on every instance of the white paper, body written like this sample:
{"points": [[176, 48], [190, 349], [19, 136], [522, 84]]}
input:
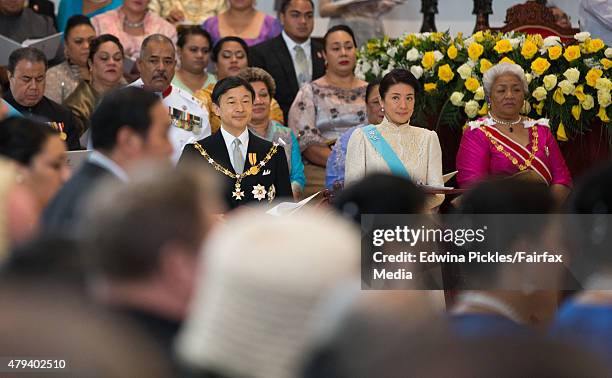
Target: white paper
{"points": [[287, 208], [449, 176], [48, 45], [436, 187], [76, 158]]}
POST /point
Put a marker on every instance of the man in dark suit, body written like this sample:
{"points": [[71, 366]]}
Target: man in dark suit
{"points": [[130, 125], [252, 169], [292, 58]]}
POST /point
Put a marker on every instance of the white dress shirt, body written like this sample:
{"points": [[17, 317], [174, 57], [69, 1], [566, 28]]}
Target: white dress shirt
{"points": [[229, 140], [103, 161], [291, 46]]}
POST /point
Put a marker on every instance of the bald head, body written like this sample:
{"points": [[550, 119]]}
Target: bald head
{"points": [[157, 62]]}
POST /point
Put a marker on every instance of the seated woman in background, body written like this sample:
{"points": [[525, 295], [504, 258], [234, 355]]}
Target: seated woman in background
{"points": [[106, 67], [325, 108], [244, 21], [193, 12], [506, 143], [230, 55], [132, 23], [62, 80], [89, 8], [263, 126], [394, 145], [334, 172], [193, 47], [40, 154]]}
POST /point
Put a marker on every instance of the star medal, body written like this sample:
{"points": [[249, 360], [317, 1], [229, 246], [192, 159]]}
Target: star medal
{"points": [[259, 192]]}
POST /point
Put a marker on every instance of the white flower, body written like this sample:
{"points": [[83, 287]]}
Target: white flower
{"points": [[259, 192], [572, 74], [528, 77], [359, 73], [567, 87], [526, 107], [551, 41], [412, 55], [603, 98], [457, 99], [465, 71], [588, 103], [539, 93], [583, 36], [514, 42], [479, 94], [375, 68], [438, 55], [424, 35], [603, 84], [392, 51], [550, 81], [608, 53], [471, 108], [365, 65], [387, 70], [467, 42], [417, 71]]}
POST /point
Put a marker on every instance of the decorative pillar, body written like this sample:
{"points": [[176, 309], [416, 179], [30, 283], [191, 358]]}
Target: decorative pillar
{"points": [[482, 10], [429, 8]]}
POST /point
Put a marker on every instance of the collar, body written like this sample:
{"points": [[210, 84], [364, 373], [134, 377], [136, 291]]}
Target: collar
{"points": [[486, 121], [105, 162], [387, 122], [229, 138], [291, 43], [139, 83]]}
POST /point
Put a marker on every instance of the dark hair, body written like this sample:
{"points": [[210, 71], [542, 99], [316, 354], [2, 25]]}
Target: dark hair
{"points": [[219, 45], [21, 139], [398, 76], [155, 38], [124, 107], [30, 54], [192, 30], [285, 4], [336, 28], [74, 21], [228, 83], [95, 44], [371, 86]]}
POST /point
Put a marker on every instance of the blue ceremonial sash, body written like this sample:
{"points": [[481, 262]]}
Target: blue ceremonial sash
{"points": [[385, 151]]}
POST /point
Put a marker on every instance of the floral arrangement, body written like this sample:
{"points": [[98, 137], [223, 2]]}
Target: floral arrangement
{"points": [[568, 83]]}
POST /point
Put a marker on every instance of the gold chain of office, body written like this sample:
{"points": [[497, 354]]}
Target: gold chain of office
{"points": [[514, 160]]}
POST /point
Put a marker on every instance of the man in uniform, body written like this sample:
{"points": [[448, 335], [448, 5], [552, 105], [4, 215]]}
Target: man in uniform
{"points": [[156, 65], [254, 169]]}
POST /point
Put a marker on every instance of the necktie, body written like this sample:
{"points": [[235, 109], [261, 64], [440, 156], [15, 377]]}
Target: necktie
{"points": [[301, 65], [238, 159]]}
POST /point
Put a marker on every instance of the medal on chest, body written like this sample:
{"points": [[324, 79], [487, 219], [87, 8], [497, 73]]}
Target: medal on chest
{"points": [[184, 120]]}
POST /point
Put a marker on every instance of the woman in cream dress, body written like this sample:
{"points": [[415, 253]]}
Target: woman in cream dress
{"points": [[394, 145]]}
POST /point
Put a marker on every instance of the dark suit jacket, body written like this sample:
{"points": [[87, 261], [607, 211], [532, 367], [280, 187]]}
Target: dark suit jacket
{"points": [[274, 57], [63, 214], [44, 7], [274, 175]]}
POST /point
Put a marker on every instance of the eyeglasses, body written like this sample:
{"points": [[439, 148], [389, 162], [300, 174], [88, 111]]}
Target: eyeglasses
{"points": [[227, 54]]}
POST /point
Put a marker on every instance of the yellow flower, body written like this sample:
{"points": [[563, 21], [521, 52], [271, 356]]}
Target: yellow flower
{"points": [[592, 76], [540, 65], [602, 115], [561, 133], [485, 64], [436, 37], [471, 84], [588, 103], [594, 45], [603, 83], [430, 87], [484, 110], [410, 39], [503, 46], [428, 60], [572, 53], [529, 49], [452, 52], [371, 46], [536, 39], [579, 93], [550, 81], [507, 60], [603, 98], [445, 73], [554, 52], [558, 96], [478, 37], [607, 63], [539, 107], [576, 110], [475, 50], [539, 93]]}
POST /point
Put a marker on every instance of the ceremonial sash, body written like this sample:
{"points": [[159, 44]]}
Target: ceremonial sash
{"points": [[535, 163], [385, 151]]}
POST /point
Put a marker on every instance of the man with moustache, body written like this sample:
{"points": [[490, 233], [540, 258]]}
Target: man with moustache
{"points": [[156, 64]]}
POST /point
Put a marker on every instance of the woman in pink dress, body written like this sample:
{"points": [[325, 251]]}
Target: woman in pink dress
{"points": [[505, 143]]}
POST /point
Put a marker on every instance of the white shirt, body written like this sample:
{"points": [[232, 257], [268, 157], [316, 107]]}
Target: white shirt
{"points": [[291, 46], [103, 161], [229, 141]]}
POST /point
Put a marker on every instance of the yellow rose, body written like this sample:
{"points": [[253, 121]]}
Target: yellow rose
{"points": [[592, 76], [595, 45], [539, 107], [566, 87], [539, 93], [507, 60], [579, 93], [445, 73], [550, 81], [485, 64], [484, 110], [475, 51], [603, 83], [554, 52], [471, 84], [452, 52], [572, 53], [576, 110], [503, 46], [540, 65], [561, 136], [572, 74], [371, 46], [558, 96], [471, 108], [588, 103], [479, 94], [602, 115], [529, 49], [428, 60], [429, 87], [607, 63], [603, 98], [478, 36]]}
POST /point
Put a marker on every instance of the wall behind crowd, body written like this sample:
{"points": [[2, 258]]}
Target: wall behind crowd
{"points": [[452, 14]]}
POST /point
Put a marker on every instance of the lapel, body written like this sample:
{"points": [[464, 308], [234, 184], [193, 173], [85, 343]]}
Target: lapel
{"points": [[286, 63], [218, 151]]}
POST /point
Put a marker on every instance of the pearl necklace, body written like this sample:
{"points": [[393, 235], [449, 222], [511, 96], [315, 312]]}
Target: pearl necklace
{"points": [[133, 25], [506, 123], [491, 303]]}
